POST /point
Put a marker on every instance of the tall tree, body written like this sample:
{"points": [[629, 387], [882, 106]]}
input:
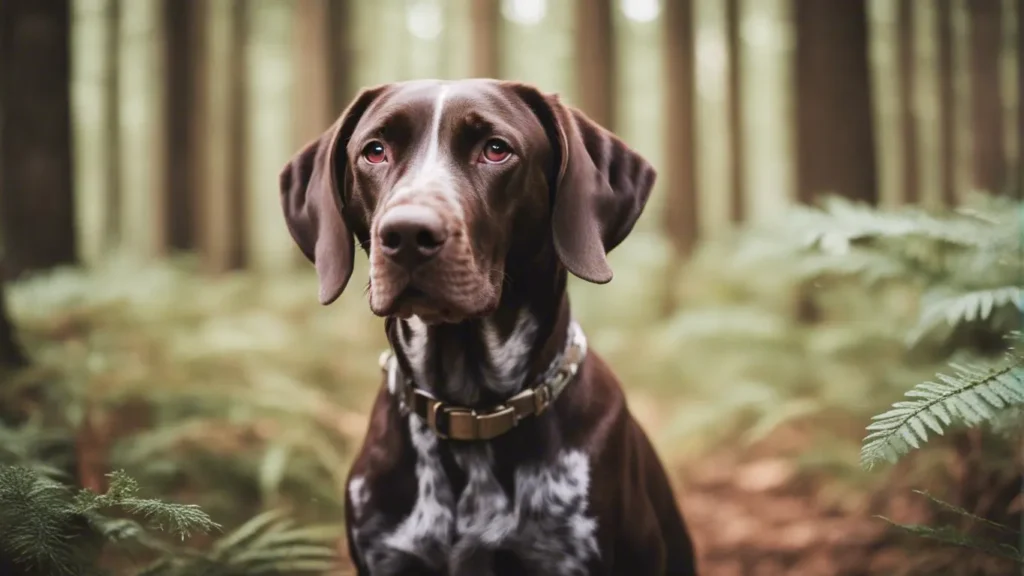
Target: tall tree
{"points": [[340, 53], [185, 41], [985, 41], [11, 354], [485, 17], [947, 102], [835, 133], [1020, 98], [220, 143], [36, 199], [595, 55], [907, 80], [680, 167], [737, 168]]}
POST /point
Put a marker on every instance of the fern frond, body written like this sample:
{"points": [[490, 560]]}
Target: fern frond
{"points": [[269, 544], [953, 537], [966, 307], [972, 394], [949, 507]]}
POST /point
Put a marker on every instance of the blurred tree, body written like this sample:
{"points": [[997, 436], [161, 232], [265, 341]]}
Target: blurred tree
{"points": [[11, 354], [219, 148], [595, 56], [985, 40], [737, 174], [112, 128], [1020, 99], [485, 16], [835, 132], [907, 79], [36, 199], [183, 34], [681, 213], [340, 55], [947, 102]]}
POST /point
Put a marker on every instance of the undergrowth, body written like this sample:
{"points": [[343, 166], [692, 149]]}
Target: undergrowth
{"points": [[241, 394]]}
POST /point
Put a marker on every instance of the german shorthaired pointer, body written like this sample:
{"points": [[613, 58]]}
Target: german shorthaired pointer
{"points": [[498, 443]]}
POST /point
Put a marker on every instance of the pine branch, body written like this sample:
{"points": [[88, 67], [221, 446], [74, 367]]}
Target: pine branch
{"points": [[972, 394]]}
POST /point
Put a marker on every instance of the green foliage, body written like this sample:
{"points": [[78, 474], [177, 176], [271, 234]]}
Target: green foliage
{"points": [[54, 530], [949, 535], [968, 267], [971, 394], [49, 527], [969, 270]]}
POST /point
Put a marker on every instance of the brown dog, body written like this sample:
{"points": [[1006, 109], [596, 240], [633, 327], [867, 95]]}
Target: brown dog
{"points": [[498, 444]]}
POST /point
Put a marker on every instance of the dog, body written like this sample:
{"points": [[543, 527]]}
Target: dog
{"points": [[498, 443]]}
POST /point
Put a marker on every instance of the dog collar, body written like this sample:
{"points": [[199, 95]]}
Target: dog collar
{"points": [[453, 422]]}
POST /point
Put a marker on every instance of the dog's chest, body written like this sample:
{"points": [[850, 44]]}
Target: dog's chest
{"points": [[544, 523]]}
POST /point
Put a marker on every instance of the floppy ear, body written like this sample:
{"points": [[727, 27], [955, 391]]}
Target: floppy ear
{"points": [[600, 191], [311, 196]]}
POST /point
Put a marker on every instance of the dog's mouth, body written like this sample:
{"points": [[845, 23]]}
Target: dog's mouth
{"points": [[412, 300], [431, 305]]}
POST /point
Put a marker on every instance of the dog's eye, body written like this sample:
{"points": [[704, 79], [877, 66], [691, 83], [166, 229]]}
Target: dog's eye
{"points": [[375, 152], [495, 151]]}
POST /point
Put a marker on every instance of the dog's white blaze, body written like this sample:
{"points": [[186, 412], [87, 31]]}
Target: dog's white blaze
{"points": [[509, 359], [435, 131], [432, 171]]}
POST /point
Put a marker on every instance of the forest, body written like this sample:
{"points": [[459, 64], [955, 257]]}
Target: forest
{"points": [[817, 319]]}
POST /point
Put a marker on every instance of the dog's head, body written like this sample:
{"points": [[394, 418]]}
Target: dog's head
{"points": [[440, 182]]}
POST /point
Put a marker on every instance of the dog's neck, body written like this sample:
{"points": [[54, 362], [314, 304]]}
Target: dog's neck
{"points": [[483, 361]]}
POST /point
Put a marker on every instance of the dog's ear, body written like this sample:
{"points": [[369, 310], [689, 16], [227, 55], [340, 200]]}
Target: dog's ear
{"points": [[601, 188], [312, 196]]}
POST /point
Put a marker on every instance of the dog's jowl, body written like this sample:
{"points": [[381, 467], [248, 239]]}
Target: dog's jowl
{"points": [[499, 442]]}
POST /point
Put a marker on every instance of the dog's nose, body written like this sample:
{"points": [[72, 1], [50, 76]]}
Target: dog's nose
{"points": [[410, 235]]}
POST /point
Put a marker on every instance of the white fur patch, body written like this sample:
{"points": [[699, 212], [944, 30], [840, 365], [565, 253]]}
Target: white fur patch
{"points": [[427, 531], [546, 524], [509, 359], [415, 348], [359, 495]]}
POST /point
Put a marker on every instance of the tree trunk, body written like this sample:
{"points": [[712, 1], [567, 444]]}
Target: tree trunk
{"points": [[183, 34], [340, 54], [595, 57], [737, 164], [485, 16], [835, 133], [985, 40], [680, 170], [907, 79], [947, 103], [11, 354], [220, 145], [1019, 192], [36, 200]]}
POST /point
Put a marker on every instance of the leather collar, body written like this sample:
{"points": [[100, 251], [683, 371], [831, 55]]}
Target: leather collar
{"points": [[454, 422]]}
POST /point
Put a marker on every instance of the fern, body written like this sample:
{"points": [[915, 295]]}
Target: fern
{"points": [[953, 536], [267, 544], [977, 305], [972, 394]]}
